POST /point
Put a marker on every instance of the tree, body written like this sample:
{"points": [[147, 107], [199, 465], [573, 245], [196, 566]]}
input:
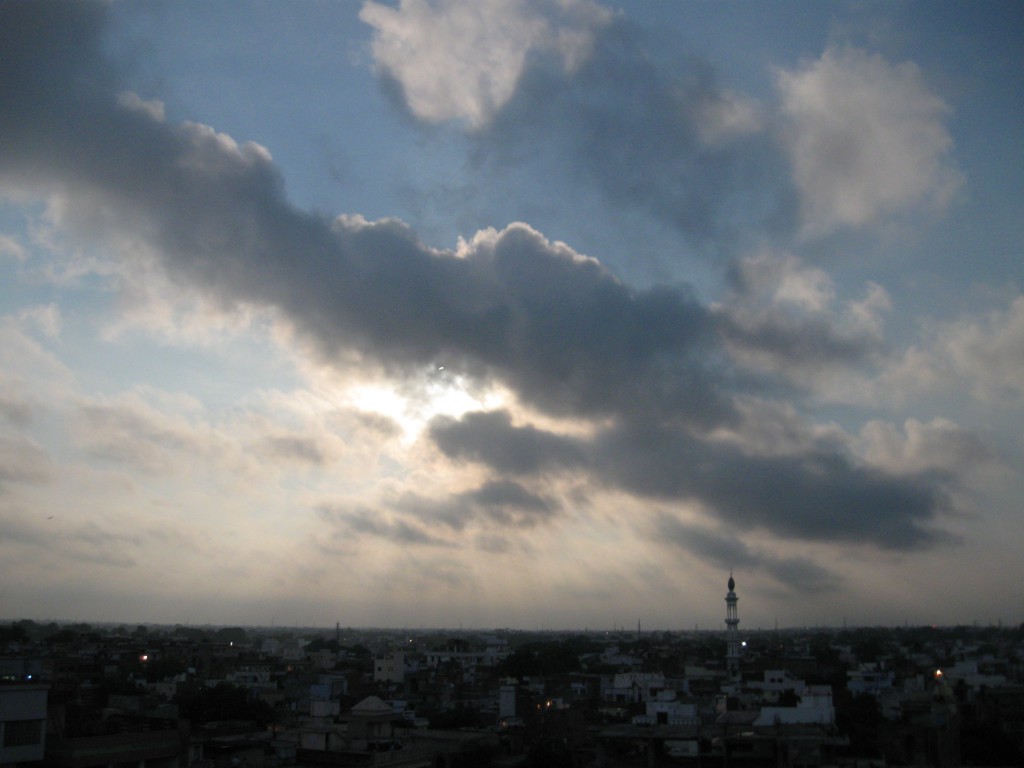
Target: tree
{"points": [[223, 702], [163, 667], [13, 633], [323, 644], [859, 717], [541, 659], [230, 635]]}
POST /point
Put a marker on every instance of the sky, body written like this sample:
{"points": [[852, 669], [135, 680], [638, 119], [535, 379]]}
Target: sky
{"points": [[511, 313]]}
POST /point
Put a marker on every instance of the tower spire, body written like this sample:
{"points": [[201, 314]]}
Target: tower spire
{"points": [[732, 640]]}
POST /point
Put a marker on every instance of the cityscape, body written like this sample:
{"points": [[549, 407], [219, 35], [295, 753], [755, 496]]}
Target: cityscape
{"points": [[457, 383], [79, 696]]}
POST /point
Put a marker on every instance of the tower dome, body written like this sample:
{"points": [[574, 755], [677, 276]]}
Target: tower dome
{"points": [[732, 583]]}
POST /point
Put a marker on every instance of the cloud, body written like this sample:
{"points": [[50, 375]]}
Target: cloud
{"points": [[486, 513], [509, 504], [490, 438], [551, 84], [15, 410], [812, 490], [989, 352], [135, 434], [23, 461], [463, 61], [11, 248], [45, 318], [31, 372], [866, 138], [363, 522], [783, 317], [727, 550], [650, 375], [937, 445], [982, 354], [54, 541], [680, 147], [294, 448], [820, 494]]}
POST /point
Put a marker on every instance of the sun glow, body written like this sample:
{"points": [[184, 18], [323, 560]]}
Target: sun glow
{"points": [[413, 408]]}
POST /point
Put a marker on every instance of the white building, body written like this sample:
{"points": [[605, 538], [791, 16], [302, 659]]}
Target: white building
{"points": [[389, 669], [635, 687], [814, 707], [666, 709]]}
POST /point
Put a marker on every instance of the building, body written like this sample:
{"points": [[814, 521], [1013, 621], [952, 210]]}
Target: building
{"points": [[389, 669], [22, 721]]}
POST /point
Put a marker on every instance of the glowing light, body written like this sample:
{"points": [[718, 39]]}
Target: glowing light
{"points": [[445, 395]]}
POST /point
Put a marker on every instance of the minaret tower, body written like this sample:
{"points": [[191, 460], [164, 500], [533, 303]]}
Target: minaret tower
{"points": [[732, 640]]}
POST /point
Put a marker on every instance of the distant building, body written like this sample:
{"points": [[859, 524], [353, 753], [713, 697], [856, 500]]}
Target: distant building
{"points": [[389, 669]]}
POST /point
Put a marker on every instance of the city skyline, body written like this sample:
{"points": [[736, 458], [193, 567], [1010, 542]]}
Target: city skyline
{"points": [[511, 313]]}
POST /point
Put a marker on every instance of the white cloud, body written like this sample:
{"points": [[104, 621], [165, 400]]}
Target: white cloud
{"points": [[865, 137], [785, 317], [154, 108], [28, 367], [783, 279], [45, 317], [726, 115], [768, 428], [11, 248], [939, 444], [868, 314], [989, 353], [980, 355], [462, 61]]}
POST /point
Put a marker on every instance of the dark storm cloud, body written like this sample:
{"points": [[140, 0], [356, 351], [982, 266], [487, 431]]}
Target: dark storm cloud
{"points": [[510, 504], [796, 336], [504, 503], [799, 341], [662, 143], [355, 523], [725, 550], [491, 439], [506, 493], [820, 494], [560, 330], [416, 520]]}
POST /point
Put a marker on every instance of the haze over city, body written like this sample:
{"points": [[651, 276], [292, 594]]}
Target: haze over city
{"points": [[509, 313]]}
